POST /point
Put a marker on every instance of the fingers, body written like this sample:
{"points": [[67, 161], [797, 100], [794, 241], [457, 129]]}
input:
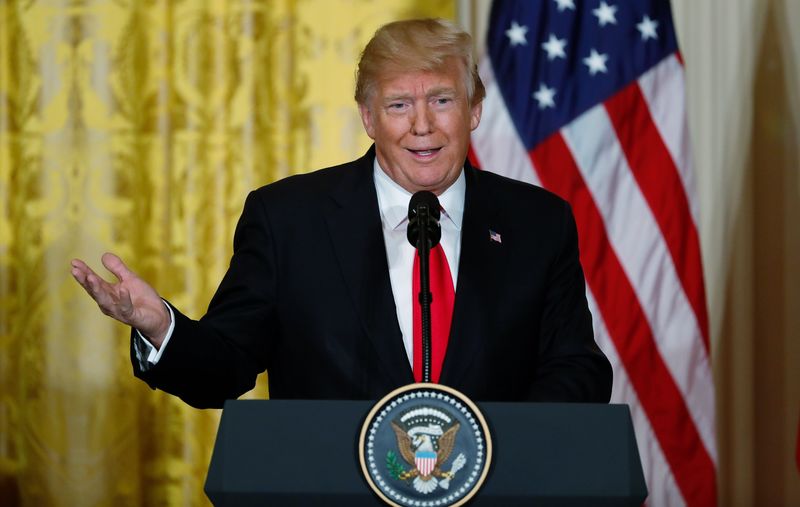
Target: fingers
{"points": [[115, 299], [116, 266], [101, 291], [80, 271]]}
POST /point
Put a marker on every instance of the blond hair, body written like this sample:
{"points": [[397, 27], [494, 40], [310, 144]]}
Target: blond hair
{"points": [[417, 45]]}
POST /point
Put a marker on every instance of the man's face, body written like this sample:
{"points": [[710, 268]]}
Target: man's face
{"points": [[420, 123]]}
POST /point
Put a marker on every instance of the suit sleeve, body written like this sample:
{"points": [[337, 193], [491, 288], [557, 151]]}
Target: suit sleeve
{"points": [[571, 366], [219, 356]]}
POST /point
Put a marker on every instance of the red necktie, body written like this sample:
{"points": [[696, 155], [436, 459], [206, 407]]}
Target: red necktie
{"points": [[441, 312]]}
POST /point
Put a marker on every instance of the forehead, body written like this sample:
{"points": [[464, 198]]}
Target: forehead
{"points": [[421, 82]]}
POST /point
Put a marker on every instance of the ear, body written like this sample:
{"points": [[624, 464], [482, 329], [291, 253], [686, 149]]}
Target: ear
{"points": [[366, 120], [475, 115]]}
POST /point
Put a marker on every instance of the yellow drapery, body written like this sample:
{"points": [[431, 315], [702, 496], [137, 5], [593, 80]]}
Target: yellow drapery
{"points": [[138, 127]]}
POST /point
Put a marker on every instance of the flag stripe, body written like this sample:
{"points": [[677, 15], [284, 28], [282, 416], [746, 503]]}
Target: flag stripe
{"points": [[658, 179], [599, 157], [657, 474], [627, 324], [663, 89]]}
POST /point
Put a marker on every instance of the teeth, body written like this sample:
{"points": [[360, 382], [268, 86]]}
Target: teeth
{"points": [[426, 152]]}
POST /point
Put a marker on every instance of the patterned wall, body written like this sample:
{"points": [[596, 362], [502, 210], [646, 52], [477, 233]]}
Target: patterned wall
{"points": [[138, 127]]}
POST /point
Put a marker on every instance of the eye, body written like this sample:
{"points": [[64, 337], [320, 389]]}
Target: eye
{"points": [[396, 106], [443, 101]]}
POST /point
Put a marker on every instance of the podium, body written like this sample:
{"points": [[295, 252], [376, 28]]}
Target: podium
{"points": [[281, 452]]}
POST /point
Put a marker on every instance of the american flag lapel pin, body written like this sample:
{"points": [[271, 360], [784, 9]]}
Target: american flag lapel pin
{"points": [[495, 236]]}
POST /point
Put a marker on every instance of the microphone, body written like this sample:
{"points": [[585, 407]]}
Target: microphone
{"points": [[424, 233], [424, 213]]}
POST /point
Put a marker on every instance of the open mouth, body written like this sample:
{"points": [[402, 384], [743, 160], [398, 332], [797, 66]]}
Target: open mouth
{"points": [[426, 152]]}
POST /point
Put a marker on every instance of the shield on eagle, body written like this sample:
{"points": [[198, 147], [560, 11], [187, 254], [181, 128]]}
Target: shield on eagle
{"points": [[425, 461]]}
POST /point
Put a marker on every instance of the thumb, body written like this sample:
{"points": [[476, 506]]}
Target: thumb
{"points": [[116, 266]]}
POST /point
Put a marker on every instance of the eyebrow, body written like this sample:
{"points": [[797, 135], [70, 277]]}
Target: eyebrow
{"points": [[440, 90]]}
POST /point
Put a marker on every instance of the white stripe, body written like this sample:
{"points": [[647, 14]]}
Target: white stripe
{"points": [[642, 251], [495, 141], [663, 90], [661, 485]]}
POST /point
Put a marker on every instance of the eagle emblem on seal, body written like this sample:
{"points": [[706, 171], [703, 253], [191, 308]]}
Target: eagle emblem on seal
{"points": [[425, 439]]}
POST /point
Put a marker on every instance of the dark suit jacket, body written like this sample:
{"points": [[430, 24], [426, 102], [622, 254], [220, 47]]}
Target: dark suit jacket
{"points": [[308, 297]]}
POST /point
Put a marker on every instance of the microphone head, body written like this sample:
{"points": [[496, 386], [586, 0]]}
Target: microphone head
{"points": [[423, 197], [424, 211]]}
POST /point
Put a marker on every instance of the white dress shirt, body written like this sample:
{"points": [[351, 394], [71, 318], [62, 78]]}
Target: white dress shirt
{"points": [[393, 204]]}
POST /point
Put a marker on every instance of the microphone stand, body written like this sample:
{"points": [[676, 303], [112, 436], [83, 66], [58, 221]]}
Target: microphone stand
{"points": [[425, 297]]}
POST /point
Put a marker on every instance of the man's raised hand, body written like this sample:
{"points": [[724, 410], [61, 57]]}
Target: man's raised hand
{"points": [[130, 300]]}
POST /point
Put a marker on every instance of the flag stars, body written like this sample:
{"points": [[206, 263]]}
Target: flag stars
{"points": [[544, 96], [517, 34], [555, 47], [647, 27], [565, 4], [596, 62], [606, 14]]}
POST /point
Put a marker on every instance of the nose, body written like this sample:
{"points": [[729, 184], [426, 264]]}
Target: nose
{"points": [[422, 121]]}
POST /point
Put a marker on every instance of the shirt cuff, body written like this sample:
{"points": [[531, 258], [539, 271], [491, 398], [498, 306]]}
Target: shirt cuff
{"points": [[147, 355]]}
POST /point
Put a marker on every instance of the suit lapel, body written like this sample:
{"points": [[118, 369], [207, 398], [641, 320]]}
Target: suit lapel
{"points": [[469, 325], [355, 228]]}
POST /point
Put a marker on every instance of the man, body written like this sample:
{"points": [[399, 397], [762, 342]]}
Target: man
{"points": [[319, 289]]}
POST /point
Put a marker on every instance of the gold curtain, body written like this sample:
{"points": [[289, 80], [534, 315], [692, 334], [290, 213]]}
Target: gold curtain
{"points": [[138, 127]]}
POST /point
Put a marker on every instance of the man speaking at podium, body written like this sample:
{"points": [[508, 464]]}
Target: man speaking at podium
{"points": [[321, 288]]}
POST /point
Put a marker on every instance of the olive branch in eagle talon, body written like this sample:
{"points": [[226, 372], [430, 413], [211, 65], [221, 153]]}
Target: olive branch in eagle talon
{"points": [[396, 470], [410, 446]]}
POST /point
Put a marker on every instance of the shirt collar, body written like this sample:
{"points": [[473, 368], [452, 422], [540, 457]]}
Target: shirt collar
{"points": [[393, 199]]}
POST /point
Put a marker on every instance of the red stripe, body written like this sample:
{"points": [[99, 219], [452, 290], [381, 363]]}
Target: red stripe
{"points": [[473, 157], [654, 169], [627, 325]]}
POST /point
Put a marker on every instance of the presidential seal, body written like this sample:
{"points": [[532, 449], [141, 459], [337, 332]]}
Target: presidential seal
{"points": [[425, 445]]}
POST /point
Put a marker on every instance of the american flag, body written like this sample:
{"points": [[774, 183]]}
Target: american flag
{"points": [[586, 98]]}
